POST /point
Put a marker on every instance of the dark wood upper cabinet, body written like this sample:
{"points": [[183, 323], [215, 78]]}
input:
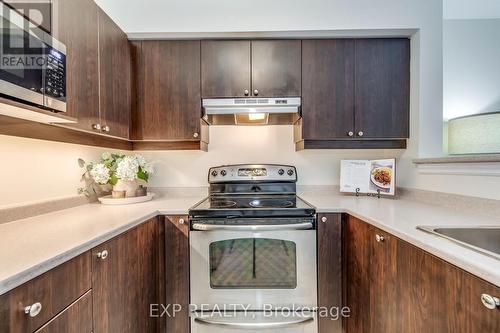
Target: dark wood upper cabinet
{"points": [[125, 280], [225, 68], [327, 89], [177, 271], [276, 70], [38, 12], [77, 29], [114, 77], [330, 272], [382, 88], [168, 105], [393, 286]]}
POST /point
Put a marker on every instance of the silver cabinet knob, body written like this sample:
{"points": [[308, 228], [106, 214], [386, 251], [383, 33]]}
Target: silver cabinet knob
{"points": [[350, 133], [360, 133], [195, 135], [181, 221], [379, 238], [96, 127], [33, 310], [103, 254], [255, 92], [324, 219], [490, 302], [246, 92], [105, 128]]}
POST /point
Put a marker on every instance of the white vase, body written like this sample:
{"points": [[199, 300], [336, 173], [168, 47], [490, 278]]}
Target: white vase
{"points": [[128, 186]]}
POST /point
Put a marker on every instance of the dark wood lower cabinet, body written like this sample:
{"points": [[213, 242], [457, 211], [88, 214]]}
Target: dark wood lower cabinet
{"points": [[177, 271], [393, 286], [77, 318], [126, 279], [330, 273]]}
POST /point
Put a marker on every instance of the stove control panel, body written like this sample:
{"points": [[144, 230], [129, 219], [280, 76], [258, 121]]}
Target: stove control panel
{"points": [[252, 172]]}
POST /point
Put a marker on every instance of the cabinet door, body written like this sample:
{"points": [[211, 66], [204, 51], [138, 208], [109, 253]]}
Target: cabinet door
{"points": [[77, 29], [382, 88], [169, 100], [114, 78], [327, 89], [276, 68], [77, 318], [125, 280], [39, 12], [225, 68], [177, 271], [330, 272]]}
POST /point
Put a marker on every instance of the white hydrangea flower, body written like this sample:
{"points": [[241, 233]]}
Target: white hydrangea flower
{"points": [[127, 168], [148, 168], [106, 155], [100, 173], [141, 160]]}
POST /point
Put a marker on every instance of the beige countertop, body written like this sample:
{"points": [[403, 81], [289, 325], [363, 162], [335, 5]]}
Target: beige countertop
{"points": [[32, 246]]}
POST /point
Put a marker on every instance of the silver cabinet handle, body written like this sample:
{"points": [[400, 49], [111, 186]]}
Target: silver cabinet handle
{"points": [[106, 128], [96, 127], [256, 92], [210, 227], [34, 309], [246, 92], [254, 325], [324, 219], [490, 302], [181, 221], [195, 135], [360, 133], [103, 254], [350, 133], [379, 238]]}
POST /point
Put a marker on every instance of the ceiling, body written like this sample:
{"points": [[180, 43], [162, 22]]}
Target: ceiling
{"points": [[471, 9]]}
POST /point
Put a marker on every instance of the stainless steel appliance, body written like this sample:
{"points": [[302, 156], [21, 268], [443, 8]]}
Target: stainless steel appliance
{"points": [[33, 64], [252, 111], [253, 248]]}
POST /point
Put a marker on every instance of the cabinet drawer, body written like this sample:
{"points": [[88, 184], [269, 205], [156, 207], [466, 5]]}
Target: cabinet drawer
{"points": [[53, 290], [77, 318]]}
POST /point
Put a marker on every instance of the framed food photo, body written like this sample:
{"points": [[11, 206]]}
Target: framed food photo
{"points": [[368, 176]]}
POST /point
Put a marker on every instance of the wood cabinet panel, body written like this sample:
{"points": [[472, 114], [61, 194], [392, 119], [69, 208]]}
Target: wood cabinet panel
{"points": [[177, 271], [54, 290], [393, 286], [276, 68], [327, 89], [382, 87], [77, 28], [35, 10], [126, 282], [225, 68], [114, 77], [330, 273], [77, 318], [169, 96]]}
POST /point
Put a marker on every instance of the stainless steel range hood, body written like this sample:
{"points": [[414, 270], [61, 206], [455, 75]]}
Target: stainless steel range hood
{"points": [[251, 111]]}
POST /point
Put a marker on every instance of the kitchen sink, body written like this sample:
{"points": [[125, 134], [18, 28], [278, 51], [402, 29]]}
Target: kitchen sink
{"points": [[482, 239]]}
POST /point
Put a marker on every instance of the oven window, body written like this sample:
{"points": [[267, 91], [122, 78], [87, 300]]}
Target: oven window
{"points": [[253, 263]]}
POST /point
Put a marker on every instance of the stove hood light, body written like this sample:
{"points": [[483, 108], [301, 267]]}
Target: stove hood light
{"points": [[257, 118]]}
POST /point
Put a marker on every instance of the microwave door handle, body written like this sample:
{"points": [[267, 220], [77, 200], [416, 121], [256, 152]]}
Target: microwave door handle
{"points": [[212, 227], [255, 325]]}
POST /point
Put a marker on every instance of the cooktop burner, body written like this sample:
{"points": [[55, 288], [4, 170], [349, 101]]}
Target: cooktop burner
{"points": [[271, 203], [221, 203]]}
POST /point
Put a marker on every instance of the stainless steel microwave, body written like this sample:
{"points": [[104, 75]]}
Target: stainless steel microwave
{"points": [[32, 63]]}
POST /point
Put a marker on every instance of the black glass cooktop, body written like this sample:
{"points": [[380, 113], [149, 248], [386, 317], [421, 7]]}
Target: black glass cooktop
{"points": [[253, 206]]}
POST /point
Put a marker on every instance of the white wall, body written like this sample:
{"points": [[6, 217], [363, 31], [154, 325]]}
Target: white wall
{"points": [[50, 169], [471, 67]]}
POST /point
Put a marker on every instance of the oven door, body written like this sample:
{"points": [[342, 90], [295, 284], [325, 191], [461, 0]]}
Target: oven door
{"points": [[246, 322], [253, 266]]}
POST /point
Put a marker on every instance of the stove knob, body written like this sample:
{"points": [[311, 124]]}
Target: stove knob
{"points": [[214, 173], [223, 173], [281, 172], [290, 172]]}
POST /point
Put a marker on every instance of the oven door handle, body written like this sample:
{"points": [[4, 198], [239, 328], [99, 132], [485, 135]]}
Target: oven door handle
{"points": [[255, 324], [212, 227]]}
